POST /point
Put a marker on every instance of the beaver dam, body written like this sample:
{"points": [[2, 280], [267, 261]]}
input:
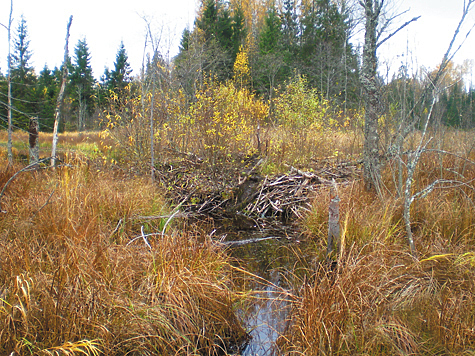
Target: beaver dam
{"points": [[254, 218]]}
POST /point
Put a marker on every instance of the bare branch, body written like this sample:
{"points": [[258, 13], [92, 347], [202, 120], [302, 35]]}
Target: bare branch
{"points": [[399, 29], [10, 18], [447, 56], [454, 184], [24, 169]]}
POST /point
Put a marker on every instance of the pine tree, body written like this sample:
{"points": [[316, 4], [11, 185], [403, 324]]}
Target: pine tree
{"points": [[82, 84], [23, 79]]}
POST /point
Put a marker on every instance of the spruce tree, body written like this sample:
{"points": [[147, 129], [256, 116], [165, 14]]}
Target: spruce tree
{"points": [[82, 84], [326, 55], [271, 33], [119, 77], [239, 31], [269, 69], [48, 87], [23, 79], [185, 41], [222, 31], [290, 27]]}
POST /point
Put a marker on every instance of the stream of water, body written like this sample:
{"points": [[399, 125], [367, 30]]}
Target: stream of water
{"points": [[271, 260]]}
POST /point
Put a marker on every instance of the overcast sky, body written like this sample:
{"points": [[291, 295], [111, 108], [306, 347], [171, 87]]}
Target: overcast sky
{"points": [[105, 23]]}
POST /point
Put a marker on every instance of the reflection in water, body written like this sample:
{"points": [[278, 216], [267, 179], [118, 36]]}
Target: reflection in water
{"points": [[272, 260], [268, 320]]}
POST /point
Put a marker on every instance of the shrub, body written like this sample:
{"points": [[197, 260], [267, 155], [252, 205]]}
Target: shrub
{"points": [[225, 119]]}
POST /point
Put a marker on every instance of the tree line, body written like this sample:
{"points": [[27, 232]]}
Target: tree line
{"points": [[34, 95], [271, 42]]}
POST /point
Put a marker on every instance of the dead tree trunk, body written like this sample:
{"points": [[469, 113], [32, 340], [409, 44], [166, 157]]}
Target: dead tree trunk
{"points": [[9, 80], [414, 157], [371, 156], [59, 100], [33, 141], [333, 222]]}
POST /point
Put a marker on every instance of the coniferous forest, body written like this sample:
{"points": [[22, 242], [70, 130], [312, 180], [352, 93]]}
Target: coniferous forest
{"points": [[262, 47], [266, 191]]}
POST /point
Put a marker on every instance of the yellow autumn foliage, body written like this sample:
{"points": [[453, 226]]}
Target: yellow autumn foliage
{"points": [[224, 119]]}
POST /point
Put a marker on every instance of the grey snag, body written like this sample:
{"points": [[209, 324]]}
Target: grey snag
{"points": [[33, 141], [333, 223], [371, 157]]}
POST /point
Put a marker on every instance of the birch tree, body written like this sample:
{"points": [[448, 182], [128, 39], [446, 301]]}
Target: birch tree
{"points": [[434, 89]]}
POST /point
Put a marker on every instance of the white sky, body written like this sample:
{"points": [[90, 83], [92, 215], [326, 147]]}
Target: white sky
{"points": [[424, 42], [104, 23]]}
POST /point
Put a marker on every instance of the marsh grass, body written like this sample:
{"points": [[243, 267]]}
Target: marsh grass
{"points": [[71, 279], [380, 300], [72, 283], [91, 144]]}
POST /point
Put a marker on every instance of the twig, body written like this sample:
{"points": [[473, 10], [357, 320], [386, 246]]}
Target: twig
{"points": [[47, 200], [145, 238], [15, 175], [156, 217], [249, 241], [168, 221], [116, 228]]}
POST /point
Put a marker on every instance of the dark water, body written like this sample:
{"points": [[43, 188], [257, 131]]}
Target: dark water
{"points": [[267, 322], [274, 261]]}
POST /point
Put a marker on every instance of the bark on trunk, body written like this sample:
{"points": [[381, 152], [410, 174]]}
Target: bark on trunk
{"points": [[59, 100], [371, 157], [333, 224], [10, 142], [33, 141]]}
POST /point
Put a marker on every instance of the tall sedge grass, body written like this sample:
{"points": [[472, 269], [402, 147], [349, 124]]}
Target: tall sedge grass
{"points": [[380, 300], [72, 282]]}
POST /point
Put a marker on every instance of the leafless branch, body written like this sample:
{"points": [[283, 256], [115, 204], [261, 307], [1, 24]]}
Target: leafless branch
{"points": [[399, 29], [59, 99], [47, 200], [10, 19], [24, 169], [448, 56]]}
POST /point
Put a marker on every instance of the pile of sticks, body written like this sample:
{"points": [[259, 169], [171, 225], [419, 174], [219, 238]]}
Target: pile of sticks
{"points": [[283, 195]]}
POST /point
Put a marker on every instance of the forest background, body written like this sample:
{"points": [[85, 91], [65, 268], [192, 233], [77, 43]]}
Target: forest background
{"points": [[276, 42]]}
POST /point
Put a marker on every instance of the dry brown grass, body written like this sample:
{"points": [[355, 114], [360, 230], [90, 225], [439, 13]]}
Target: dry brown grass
{"points": [[286, 147], [92, 144], [71, 283], [380, 300]]}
